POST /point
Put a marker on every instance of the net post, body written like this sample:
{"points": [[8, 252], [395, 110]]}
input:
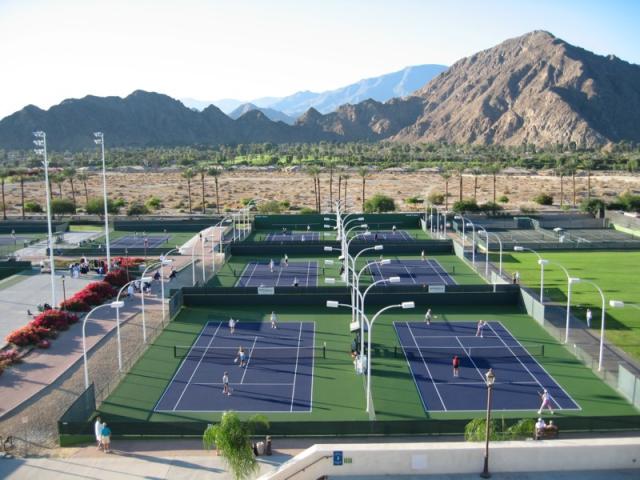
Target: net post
{"points": [[324, 350]]}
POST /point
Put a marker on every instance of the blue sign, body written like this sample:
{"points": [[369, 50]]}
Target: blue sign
{"points": [[337, 457]]}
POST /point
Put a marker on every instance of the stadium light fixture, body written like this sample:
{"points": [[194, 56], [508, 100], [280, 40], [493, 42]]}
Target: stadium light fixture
{"points": [[328, 262], [407, 305], [330, 280], [518, 248], [328, 249], [394, 279], [332, 303], [543, 262], [379, 247], [616, 303], [385, 261]]}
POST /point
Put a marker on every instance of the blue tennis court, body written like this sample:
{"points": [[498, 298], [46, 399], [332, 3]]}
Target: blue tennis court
{"points": [[385, 236], [278, 376], [260, 274], [140, 241], [429, 350], [292, 237], [413, 272]]}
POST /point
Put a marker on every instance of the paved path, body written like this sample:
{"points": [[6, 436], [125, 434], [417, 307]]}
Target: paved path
{"points": [[26, 291]]}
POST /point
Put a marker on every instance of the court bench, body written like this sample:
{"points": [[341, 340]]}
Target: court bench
{"points": [[546, 433]]}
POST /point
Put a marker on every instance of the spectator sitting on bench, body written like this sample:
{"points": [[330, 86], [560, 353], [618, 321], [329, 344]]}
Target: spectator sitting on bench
{"points": [[543, 430]]}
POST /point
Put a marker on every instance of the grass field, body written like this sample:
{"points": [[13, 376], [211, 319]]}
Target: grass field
{"points": [[338, 393], [232, 270], [615, 272]]}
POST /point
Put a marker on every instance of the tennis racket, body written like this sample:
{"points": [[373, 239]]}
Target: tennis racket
{"points": [[235, 360]]}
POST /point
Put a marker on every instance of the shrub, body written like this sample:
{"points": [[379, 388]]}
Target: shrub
{"points": [[436, 198], [522, 429], [413, 200], [128, 262], [630, 202], [272, 206], [63, 206], [465, 206], [543, 199], [137, 209], [74, 304], [95, 206], [490, 208], [153, 203], [32, 207], [43, 343], [307, 211], [285, 204], [28, 335], [54, 319], [476, 430], [9, 357], [103, 289], [592, 206], [117, 278], [119, 203], [503, 199], [379, 203]]}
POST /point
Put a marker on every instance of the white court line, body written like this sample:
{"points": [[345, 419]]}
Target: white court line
{"points": [[435, 270], [246, 266], [246, 367], [469, 357], [451, 279], [373, 278], [279, 273], [427, 367], [295, 372], [413, 375], [182, 365], [449, 336], [308, 270], [410, 274], [197, 366], [245, 384], [255, 265], [313, 366], [484, 384], [523, 365], [544, 370]]}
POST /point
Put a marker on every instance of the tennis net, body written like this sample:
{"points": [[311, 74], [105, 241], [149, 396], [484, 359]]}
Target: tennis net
{"points": [[536, 350], [265, 354]]}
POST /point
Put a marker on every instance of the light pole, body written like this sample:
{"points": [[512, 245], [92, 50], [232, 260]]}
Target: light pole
{"points": [[363, 296], [571, 281], [41, 143], [204, 276], [164, 261], [604, 304], [115, 305], [541, 261], [473, 238], [486, 253], [181, 251], [99, 140], [490, 380], [403, 305], [148, 279], [499, 246]]}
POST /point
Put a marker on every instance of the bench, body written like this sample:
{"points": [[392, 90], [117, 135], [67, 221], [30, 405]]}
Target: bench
{"points": [[546, 433]]}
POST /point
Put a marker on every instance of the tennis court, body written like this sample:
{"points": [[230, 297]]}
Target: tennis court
{"points": [[260, 274], [278, 376], [140, 241], [292, 237], [429, 350], [385, 236], [14, 240], [413, 272]]}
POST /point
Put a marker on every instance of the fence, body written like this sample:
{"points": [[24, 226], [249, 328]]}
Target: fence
{"points": [[31, 226], [11, 267]]}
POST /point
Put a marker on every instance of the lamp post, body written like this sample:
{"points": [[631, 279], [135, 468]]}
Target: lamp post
{"points": [[541, 261], [115, 305], [164, 261], [403, 305], [490, 380], [360, 306], [64, 292], [181, 251], [499, 247], [148, 279], [41, 142], [99, 140], [571, 281], [486, 254], [604, 304], [473, 238], [204, 276]]}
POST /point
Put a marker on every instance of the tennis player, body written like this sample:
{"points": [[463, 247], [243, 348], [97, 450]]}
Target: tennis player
{"points": [[456, 366], [225, 384], [422, 256], [479, 330], [241, 358], [546, 402], [271, 265], [274, 318], [286, 260], [232, 325], [428, 316]]}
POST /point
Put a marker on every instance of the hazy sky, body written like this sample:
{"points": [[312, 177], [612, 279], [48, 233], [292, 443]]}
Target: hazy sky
{"points": [[208, 49]]}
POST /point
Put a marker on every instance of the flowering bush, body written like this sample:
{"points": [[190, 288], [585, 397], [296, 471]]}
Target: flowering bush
{"points": [[103, 289], [117, 278], [74, 304], [44, 343], [29, 335], [90, 298], [9, 357], [128, 262], [54, 319]]}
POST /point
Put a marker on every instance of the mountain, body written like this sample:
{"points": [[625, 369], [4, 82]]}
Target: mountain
{"points": [[270, 113], [397, 84], [535, 88], [225, 104]]}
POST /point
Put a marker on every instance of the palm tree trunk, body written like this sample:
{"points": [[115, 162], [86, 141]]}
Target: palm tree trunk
{"points": [[561, 191], [315, 193], [460, 193], [446, 195], [203, 199], [4, 204], [494, 188], [60, 189], [73, 191], [363, 192], [588, 185], [217, 198], [22, 195], [475, 187], [319, 196], [345, 194], [330, 188], [573, 181], [189, 193], [86, 193], [339, 187]]}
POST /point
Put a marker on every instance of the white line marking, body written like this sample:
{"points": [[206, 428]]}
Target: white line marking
{"points": [[245, 384], [407, 270], [469, 357], [295, 372], [246, 367], [413, 375], [279, 273], [313, 366], [426, 366], [197, 366], [241, 275], [308, 270], [484, 383], [545, 371]]}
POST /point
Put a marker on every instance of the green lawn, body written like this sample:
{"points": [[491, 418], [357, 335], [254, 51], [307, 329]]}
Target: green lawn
{"points": [[338, 393], [615, 272], [232, 270]]}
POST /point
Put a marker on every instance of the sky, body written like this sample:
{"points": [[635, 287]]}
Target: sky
{"points": [[51, 50]]}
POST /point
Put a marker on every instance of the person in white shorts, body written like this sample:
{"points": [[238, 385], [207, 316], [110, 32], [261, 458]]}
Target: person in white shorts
{"points": [[589, 317], [546, 402], [271, 265], [273, 320], [232, 325], [481, 325], [428, 317], [225, 384]]}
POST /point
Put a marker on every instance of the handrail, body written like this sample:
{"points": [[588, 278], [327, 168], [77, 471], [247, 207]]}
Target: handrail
{"points": [[324, 457]]}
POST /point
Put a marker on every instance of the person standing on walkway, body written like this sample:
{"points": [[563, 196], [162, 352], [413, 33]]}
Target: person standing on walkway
{"points": [[130, 291], [589, 317], [271, 265], [106, 438], [97, 428]]}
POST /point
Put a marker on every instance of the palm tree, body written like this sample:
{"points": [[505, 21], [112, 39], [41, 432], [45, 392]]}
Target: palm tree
{"points": [[494, 169], [70, 173], [215, 172], [84, 177], [232, 439], [313, 171], [20, 175], [560, 172], [188, 176], [345, 177], [201, 169], [364, 173], [58, 178], [587, 164], [446, 175], [459, 172], [476, 171], [4, 174], [571, 169], [331, 165]]}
